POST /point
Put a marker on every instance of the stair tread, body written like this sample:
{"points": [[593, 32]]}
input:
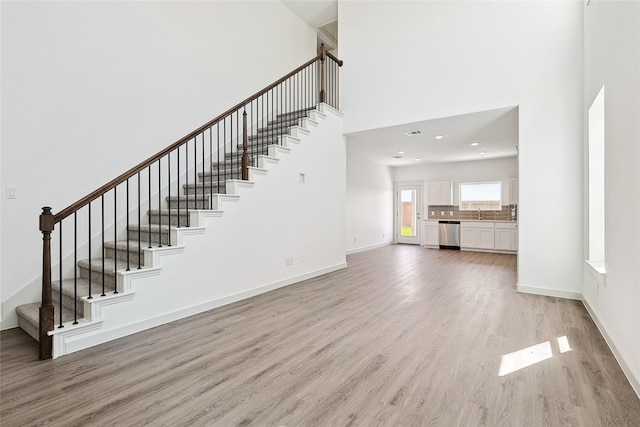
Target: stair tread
{"points": [[146, 227], [96, 265], [189, 197], [122, 245], [167, 211], [82, 286], [31, 313]]}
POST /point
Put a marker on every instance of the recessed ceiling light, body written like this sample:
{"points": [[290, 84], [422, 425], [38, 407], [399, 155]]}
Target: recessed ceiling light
{"points": [[483, 152], [417, 160], [412, 132], [475, 143], [400, 152], [438, 136]]}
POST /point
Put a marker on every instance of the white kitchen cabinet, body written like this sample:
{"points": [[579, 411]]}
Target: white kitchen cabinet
{"points": [[440, 193], [512, 194], [431, 234], [506, 236], [477, 235]]}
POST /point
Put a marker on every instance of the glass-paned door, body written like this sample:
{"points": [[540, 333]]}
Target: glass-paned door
{"points": [[408, 214]]}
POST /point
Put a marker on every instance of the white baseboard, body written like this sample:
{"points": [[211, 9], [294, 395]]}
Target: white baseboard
{"points": [[368, 248], [78, 342], [633, 377], [547, 292]]}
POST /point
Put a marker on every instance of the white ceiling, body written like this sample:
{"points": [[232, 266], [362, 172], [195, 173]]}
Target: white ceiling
{"points": [[321, 15], [495, 130]]}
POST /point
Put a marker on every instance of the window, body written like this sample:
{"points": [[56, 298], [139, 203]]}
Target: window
{"points": [[596, 179], [483, 196]]}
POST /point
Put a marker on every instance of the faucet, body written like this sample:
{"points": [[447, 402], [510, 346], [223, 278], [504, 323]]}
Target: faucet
{"points": [[479, 214]]}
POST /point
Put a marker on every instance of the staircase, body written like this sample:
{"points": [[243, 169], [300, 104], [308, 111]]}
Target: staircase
{"points": [[105, 250], [102, 274]]}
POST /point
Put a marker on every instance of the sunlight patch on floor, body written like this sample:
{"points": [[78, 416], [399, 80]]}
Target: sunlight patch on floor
{"points": [[525, 357]]}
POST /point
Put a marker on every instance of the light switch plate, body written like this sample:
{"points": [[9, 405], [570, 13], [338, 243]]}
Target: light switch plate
{"points": [[11, 193]]}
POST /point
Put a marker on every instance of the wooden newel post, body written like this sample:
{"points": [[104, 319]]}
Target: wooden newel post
{"points": [[46, 309], [245, 156], [323, 55]]}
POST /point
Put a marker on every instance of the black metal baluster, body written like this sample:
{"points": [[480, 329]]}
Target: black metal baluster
{"points": [[160, 203], [186, 176], [115, 239], [203, 181], [149, 203], [60, 274], [75, 268], [139, 226], [195, 172], [90, 263], [116, 248], [169, 195], [210, 165], [218, 152], [103, 274], [178, 185]]}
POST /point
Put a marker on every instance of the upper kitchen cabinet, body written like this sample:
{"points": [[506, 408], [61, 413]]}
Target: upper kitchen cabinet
{"points": [[440, 193], [510, 191]]}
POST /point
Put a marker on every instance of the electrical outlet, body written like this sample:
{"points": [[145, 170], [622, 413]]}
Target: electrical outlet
{"points": [[441, 212], [288, 261], [354, 239], [433, 212], [450, 213]]}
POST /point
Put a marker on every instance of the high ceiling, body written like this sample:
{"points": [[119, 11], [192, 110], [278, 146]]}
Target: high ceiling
{"points": [[495, 131]]}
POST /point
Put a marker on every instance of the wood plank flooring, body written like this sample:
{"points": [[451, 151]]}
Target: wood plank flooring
{"points": [[404, 336]]}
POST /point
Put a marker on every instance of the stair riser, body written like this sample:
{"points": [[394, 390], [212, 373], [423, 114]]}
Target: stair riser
{"points": [[181, 221], [121, 255], [191, 204], [96, 275], [33, 329], [213, 179], [67, 301], [207, 190], [155, 237], [253, 151]]}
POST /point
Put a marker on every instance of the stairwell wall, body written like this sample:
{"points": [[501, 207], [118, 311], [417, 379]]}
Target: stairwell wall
{"points": [[89, 89]]}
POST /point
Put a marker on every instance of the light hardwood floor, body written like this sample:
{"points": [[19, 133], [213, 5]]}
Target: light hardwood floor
{"points": [[404, 336]]}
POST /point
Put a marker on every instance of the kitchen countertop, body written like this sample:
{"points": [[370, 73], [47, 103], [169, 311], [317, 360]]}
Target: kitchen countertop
{"points": [[473, 220]]}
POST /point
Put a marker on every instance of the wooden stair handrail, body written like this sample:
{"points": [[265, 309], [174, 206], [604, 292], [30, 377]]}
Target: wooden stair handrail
{"points": [[141, 166]]}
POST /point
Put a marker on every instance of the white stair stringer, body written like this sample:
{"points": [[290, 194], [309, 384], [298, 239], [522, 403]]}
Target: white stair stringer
{"points": [[209, 272], [234, 185], [218, 200], [265, 161]]}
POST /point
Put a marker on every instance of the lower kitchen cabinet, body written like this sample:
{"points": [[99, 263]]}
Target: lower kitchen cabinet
{"points": [[431, 234], [506, 236], [477, 235]]}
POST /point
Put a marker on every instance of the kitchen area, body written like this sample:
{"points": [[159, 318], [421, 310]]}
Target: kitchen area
{"points": [[447, 226]]}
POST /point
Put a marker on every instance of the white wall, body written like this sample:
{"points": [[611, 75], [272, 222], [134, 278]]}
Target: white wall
{"points": [[612, 59], [412, 61], [89, 89], [473, 171], [369, 213]]}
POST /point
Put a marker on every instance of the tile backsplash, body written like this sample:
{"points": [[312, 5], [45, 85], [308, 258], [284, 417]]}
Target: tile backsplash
{"points": [[444, 212]]}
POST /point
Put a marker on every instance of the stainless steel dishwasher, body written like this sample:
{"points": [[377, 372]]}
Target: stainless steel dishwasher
{"points": [[449, 234]]}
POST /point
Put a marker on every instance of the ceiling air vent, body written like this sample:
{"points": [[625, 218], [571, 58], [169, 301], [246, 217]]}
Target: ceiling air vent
{"points": [[412, 132], [397, 157]]}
